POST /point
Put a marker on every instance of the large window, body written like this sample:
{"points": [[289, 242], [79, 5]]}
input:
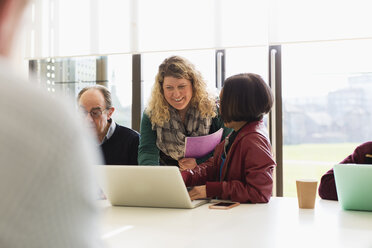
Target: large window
{"points": [[326, 92], [327, 99], [325, 61]]}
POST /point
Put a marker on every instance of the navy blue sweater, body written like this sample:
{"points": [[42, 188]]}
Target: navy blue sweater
{"points": [[122, 147]]}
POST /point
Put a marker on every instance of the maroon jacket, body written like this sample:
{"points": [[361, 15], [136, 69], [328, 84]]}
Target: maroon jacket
{"points": [[361, 155], [246, 173]]}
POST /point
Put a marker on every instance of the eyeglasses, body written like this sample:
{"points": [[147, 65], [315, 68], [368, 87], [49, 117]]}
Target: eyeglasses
{"points": [[94, 113]]}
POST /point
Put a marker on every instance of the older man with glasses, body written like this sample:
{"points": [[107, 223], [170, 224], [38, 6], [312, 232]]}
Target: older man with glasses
{"points": [[119, 144]]}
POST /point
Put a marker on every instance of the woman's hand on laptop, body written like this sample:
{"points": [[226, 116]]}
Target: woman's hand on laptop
{"points": [[187, 163], [198, 192]]}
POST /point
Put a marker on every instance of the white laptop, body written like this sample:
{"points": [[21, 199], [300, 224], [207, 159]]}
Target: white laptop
{"points": [[145, 186]]}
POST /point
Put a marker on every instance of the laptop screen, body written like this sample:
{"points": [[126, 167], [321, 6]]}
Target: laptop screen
{"points": [[145, 186], [354, 186]]}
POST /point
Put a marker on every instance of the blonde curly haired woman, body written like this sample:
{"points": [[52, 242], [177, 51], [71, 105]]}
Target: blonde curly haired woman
{"points": [[179, 106]]}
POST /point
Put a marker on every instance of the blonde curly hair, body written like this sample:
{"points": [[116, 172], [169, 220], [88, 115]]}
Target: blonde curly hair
{"points": [[178, 67]]}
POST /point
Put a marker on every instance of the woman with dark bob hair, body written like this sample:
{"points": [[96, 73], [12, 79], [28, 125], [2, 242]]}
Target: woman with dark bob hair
{"points": [[242, 165]]}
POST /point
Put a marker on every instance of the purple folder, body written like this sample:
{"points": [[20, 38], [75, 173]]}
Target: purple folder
{"points": [[197, 147]]}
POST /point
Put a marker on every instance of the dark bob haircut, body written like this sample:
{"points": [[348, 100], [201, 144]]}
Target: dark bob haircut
{"points": [[245, 97]]}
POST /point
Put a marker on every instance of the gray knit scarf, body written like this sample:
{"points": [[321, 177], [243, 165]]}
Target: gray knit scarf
{"points": [[171, 136]]}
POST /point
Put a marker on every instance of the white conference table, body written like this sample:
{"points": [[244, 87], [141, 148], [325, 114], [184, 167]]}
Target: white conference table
{"points": [[280, 223]]}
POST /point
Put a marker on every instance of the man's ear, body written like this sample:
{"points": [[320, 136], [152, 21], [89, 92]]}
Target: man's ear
{"points": [[110, 111]]}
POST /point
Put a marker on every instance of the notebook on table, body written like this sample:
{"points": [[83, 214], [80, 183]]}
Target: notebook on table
{"points": [[145, 186], [354, 186]]}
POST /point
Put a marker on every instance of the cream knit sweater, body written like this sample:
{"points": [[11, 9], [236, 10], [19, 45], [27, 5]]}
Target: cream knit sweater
{"points": [[47, 187]]}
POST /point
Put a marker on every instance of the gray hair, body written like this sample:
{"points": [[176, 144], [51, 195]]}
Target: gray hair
{"points": [[105, 92]]}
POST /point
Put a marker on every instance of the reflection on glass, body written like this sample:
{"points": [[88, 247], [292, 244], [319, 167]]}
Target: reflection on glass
{"points": [[67, 76]]}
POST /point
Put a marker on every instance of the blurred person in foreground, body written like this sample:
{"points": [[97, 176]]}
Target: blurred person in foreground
{"points": [[46, 181]]}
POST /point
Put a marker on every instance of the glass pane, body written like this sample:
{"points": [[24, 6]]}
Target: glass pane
{"points": [[67, 76], [243, 60], [243, 22], [69, 37], [114, 26], [327, 97], [319, 20], [119, 73], [171, 25], [204, 61]]}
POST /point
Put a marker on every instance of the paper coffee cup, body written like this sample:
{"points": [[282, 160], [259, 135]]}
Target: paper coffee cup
{"points": [[306, 192]]}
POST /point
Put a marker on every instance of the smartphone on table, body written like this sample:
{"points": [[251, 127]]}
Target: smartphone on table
{"points": [[224, 205]]}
